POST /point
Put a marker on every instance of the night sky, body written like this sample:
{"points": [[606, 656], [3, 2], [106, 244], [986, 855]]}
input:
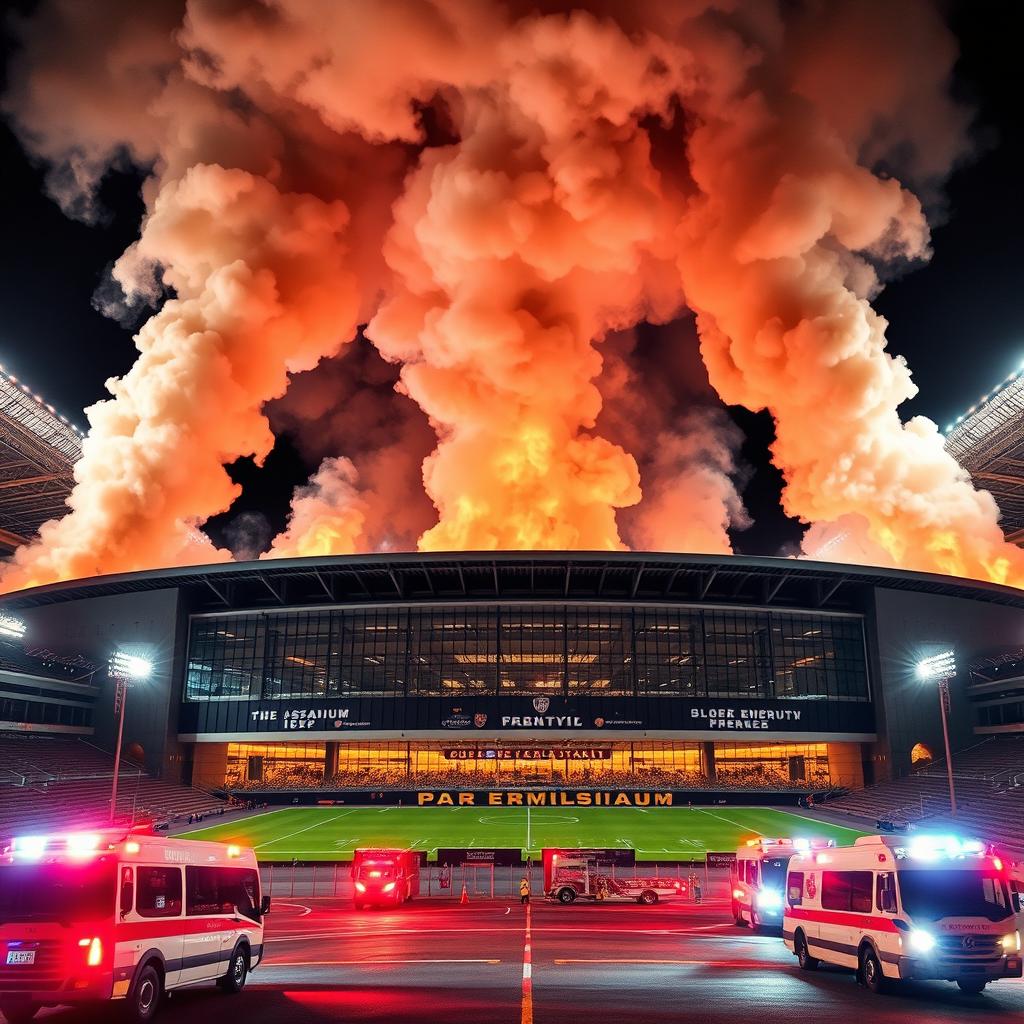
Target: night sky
{"points": [[959, 320]]}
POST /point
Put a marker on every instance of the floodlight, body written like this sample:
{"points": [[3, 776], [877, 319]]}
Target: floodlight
{"points": [[938, 666], [130, 666], [12, 627]]}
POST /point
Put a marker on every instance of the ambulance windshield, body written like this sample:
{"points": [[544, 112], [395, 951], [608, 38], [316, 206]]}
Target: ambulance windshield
{"points": [[57, 892], [934, 894]]}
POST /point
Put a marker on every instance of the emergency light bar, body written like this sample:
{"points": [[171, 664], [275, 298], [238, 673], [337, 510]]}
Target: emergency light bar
{"points": [[72, 844], [933, 848], [801, 845]]}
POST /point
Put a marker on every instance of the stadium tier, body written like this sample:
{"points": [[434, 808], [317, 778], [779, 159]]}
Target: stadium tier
{"points": [[38, 450], [502, 678], [988, 441]]}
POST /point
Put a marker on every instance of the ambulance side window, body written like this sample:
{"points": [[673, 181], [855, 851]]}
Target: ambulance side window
{"points": [[847, 890], [885, 893], [159, 892], [795, 888]]}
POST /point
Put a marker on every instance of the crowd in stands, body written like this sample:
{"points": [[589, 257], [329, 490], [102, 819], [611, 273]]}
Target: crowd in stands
{"points": [[744, 777]]}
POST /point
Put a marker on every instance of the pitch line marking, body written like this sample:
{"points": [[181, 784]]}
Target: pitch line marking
{"points": [[281, 839], [720, 817]]}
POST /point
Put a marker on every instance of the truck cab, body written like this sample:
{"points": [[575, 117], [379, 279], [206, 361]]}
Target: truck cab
{"points": [[384, 878]]}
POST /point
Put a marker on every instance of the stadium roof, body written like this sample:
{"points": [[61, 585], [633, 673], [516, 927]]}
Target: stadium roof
{"points": [[38, 450], [553, 577], [988, 441]]}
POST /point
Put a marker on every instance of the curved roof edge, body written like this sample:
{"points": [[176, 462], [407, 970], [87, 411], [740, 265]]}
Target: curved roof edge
{"points": [[476, 575]]}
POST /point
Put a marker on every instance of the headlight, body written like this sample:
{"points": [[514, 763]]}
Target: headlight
{"points": [[921, 942], [389, 887], [769, 899], [360, 887], [1011, 942]]}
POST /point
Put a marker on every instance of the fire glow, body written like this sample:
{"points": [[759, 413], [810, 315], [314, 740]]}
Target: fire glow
{"points": [[500, 196]]}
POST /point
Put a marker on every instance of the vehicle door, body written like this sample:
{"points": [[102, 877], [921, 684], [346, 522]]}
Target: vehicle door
{"points": [[208, 918], [158, 917], [887, 908], [840, 931], [240, 889]]}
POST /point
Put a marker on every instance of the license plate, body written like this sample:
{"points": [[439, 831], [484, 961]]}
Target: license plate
{"points": [[21, 956]]}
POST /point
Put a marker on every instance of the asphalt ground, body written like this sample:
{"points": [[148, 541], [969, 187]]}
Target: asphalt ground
{"points": [[491, 961]]}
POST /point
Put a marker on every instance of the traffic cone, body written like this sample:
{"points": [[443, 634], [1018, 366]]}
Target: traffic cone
{"points": [[464, 898]]}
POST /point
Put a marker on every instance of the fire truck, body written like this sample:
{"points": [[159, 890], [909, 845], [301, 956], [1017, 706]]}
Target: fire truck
{"points": [[116, 915], [384, 878], [571, 875], [758, 878]]}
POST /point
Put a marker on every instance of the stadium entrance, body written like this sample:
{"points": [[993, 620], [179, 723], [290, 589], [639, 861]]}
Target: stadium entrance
{"points": [[435, 765]]}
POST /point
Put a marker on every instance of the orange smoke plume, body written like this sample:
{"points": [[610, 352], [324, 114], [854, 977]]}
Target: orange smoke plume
{"points": [[498, 191]]}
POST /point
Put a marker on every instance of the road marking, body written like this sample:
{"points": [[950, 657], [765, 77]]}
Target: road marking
{"points": [[281, 839], [305, 910], [526, 1015], [819, 821], [751, 964], [352, 963]]}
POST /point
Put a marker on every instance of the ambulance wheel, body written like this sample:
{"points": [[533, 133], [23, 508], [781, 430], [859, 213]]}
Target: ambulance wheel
{"points": [[971, 986], [871, 971], [144, 999], [648, 898], [238, 971], [755, 921], [19, 1013], [803, 955], [566, 895], [737, 913]]}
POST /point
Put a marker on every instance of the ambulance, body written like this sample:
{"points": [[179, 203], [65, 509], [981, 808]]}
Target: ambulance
{"points": [[87, 917], [758, 877], [384, 878], [897, 907]]}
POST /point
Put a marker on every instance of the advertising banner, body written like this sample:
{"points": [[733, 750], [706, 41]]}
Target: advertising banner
{"points": [[561, 717]]}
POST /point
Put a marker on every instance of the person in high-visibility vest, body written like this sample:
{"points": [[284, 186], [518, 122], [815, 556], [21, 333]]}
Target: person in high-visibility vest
{"points": [[524, 890]]}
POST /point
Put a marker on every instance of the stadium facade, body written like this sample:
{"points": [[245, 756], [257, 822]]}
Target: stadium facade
{"points": [[471, 671]]}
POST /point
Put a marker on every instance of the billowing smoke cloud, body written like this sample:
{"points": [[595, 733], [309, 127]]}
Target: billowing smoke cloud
{"points": [[494, 190], [657, 404]]}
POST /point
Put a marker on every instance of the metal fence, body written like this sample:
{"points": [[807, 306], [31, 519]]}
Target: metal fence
{"points": [[482, 881]]}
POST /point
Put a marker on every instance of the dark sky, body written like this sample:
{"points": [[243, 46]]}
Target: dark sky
{"points": [[959, 320]]}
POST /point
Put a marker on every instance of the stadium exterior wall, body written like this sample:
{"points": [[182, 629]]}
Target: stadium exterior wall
{"points": [[905, 616]]}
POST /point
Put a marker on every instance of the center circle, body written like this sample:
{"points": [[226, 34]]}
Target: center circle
{"points": [[535, 818]]}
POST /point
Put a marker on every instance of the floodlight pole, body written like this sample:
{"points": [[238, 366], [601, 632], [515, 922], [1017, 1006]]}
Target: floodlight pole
{"points": [[943, 689], [120, 699]]}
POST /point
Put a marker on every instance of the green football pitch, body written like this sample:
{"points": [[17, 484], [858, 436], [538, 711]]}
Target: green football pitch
{"points": [[662, 833]]}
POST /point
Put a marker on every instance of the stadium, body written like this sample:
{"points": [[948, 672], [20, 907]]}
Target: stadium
{"points": [[594, 681]]}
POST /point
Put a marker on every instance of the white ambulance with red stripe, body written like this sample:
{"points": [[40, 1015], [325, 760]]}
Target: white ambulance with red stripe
{"points": [[758, 877], [109, 914], [899, 907]]}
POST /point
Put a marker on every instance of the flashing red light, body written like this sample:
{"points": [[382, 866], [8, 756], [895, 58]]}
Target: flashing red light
{"points": [[997, 863], [82, 844], [95, 955], [737, 894]]}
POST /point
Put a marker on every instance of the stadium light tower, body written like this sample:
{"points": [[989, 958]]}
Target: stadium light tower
{"points": [[123, 668], [941, 668]]}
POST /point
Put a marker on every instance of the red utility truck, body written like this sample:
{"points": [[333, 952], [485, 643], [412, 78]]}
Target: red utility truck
{"points": [[384, 878], [571, 875]]}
